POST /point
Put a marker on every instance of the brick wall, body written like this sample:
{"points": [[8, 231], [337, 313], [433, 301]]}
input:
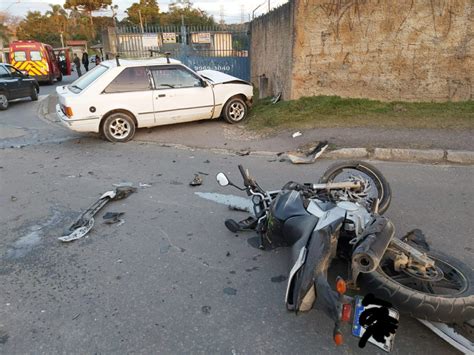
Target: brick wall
{"points": [[271, 50], [410, 50]]}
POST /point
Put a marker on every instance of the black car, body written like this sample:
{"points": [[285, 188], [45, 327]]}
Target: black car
{"points": [[15, 85]]}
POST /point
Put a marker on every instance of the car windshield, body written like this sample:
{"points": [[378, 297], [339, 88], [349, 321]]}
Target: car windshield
{"points": [[87, 79]]}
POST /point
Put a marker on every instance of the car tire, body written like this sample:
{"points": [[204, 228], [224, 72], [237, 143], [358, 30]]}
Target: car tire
{"points": [[119, 127], [34, 94], [235, 110], [3, 101]]}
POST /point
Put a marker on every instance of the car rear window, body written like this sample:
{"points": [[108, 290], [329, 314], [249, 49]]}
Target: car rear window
{"points": [[130, 79], [87, 79], [35, 55], [19, 56]]}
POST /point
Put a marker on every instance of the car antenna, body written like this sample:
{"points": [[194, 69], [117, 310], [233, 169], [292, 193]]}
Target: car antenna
{"points": [[117, 59], [167, 54]]}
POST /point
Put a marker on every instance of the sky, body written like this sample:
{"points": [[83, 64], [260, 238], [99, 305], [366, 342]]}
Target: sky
{"points": [[230, 9]]}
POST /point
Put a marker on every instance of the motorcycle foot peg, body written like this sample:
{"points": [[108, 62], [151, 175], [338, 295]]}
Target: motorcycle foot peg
{"points": [[232, 225]]}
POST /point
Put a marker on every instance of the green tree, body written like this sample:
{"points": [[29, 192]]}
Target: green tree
{"points": [[87, 6], [192, 16], [38, 27], [148, 9], [57, 17]]}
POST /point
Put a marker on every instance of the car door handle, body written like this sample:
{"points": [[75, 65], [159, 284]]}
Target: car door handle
{"points": [[161, 95]]}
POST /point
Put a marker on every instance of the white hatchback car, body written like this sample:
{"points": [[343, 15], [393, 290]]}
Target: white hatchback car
{"points": [[114, 100]]}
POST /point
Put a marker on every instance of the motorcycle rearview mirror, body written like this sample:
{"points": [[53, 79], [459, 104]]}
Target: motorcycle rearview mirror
{"points": [[222, 179]]}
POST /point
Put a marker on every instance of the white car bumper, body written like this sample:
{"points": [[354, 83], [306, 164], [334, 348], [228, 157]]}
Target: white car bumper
{"points": [[88, 124]]}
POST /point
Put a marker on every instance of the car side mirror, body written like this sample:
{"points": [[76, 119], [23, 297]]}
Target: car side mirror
{"points": [[204, 83], [222, 179], [25, 73]]}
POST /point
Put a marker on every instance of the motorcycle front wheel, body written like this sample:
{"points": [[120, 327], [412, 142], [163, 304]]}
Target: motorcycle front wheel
{"points": [[447, 300], [376, 186]]}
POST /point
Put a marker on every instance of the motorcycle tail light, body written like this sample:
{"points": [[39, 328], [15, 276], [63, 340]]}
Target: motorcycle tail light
{"points": [[346, 312], [338, 339]]}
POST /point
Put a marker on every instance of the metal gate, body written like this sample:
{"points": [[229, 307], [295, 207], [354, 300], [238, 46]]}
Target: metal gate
{"points": [[224, 48]]}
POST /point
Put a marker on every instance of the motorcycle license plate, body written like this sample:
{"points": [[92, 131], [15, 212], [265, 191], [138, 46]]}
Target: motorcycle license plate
{"points": [[358, 330]]}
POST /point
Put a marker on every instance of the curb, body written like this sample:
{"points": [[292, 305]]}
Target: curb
{"points": [[433, 156]]}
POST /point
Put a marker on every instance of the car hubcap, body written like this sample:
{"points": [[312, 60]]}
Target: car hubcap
{"points": [[3, 101], [119, 128], [237, 111]]}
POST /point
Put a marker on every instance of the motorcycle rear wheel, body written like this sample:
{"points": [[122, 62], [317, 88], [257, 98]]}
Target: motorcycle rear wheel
{"points": [[449, 300], [384, 193]]}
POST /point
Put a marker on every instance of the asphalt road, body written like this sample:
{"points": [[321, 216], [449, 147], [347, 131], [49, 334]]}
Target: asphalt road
{"points": [[172, 279]]}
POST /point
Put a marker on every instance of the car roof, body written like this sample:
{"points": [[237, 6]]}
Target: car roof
{"points": [[139, 62]]}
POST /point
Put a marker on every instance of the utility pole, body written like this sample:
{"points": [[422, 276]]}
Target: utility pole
{"points": [[268, 5], [141, 21], [222, 14], [62, 39], [242, 13]]}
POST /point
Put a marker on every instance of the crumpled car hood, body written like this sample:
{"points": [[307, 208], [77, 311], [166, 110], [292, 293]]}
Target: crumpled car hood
{"points": [[218, 77]]}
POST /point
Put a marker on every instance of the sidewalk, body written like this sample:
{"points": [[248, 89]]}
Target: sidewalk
{"points": [[433, 144]]}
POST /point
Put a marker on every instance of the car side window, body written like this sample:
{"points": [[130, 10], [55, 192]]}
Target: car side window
{"points": [[174, 78], [130, 79], [14, 72], [4, 73]]}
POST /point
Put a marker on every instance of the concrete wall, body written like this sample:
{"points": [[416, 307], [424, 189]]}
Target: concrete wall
{"points": [[415, 50], [271, 50]]}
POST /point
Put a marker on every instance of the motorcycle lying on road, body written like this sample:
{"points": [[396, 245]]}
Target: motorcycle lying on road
{"points": [[342, 217]]}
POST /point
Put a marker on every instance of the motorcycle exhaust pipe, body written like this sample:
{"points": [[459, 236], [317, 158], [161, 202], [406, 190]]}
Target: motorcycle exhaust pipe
{"points": [[370, 251]]}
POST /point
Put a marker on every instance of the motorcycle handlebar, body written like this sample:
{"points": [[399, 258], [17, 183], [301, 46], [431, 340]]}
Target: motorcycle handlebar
{"points": [[244, 176]]}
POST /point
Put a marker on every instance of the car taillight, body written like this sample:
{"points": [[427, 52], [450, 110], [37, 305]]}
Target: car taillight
{"points": [[68, 111]]}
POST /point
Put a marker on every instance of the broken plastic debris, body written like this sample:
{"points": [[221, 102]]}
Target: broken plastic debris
{"points": [[309, 156], [78, 233], [297, 134], [143, 185], [197, 181], [276, 98], [123, 184], [113, 217], [243, 152], [85, 221]]}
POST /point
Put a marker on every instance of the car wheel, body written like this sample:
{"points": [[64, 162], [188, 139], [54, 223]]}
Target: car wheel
{"points": [[119, 127], [3, 101], [34, 94], [235, 110]]}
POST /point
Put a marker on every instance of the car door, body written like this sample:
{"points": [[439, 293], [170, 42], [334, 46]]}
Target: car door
{"points": [[180, 95], [11, 83], [24, 86], [131, 90]]}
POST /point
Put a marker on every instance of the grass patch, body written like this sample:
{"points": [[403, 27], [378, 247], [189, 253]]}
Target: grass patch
{"points": [[334, 111]]}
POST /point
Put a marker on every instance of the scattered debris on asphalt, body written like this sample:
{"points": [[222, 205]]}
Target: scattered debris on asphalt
{"points": [[309, 156], [230, 291], [200, 172], [144, 185], [206, 309], [227, 254], [207, 161], [113, 217], [197, 181], [124, 184], [276, 98], [85, 221], [243, 153], [13, 198], [297, 134]]}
